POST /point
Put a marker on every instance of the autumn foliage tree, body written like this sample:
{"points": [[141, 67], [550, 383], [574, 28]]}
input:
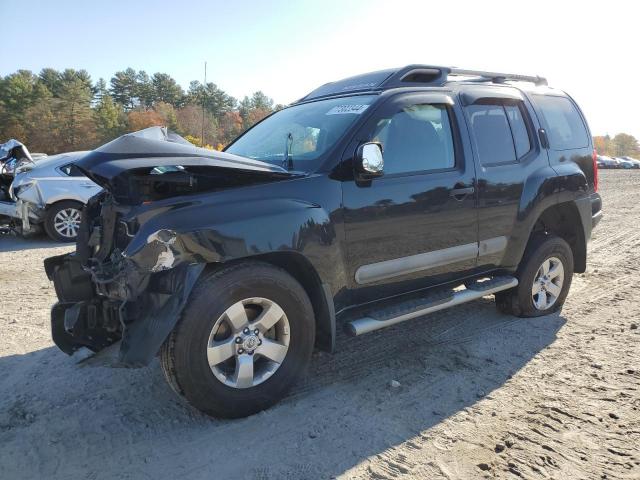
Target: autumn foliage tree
{"points": [[58, 111], [139, 119], [621, 145]]}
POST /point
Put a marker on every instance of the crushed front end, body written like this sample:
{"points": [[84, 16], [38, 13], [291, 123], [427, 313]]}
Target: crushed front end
{"points": [[142, 243], [105, 296]]}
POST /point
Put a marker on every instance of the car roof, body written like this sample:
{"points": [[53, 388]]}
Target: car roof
{"points": [[59, 160], [417, 76]]}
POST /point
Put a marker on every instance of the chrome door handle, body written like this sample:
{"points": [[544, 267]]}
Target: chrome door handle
{"points": [[460, 193]]}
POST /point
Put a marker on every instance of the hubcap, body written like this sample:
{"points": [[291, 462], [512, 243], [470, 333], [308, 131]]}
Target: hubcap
{"points": [[66, 222], [248, 342], [547, 284]]}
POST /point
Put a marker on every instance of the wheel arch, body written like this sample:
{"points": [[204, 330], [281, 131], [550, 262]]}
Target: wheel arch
{"points": [[56, 202], [565, 221], [303, 271]]}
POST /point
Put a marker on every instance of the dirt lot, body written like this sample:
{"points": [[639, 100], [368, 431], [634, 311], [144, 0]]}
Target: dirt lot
{"points": [[481, 394]]}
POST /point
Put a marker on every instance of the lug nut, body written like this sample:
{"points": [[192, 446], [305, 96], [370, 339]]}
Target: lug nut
{"points": [[256, 331], [238, 340], [250, 353], [259, 342], [246, 330], [241, 351]]}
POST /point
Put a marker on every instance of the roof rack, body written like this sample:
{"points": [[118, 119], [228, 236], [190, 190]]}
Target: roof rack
{"points": [[416, 75], [497, 77]]}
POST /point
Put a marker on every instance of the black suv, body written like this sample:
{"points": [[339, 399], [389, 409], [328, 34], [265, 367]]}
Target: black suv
{"points": [[371, 201]]}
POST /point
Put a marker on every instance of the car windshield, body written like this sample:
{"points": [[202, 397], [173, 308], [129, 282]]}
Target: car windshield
{"points": [[302, 134]]}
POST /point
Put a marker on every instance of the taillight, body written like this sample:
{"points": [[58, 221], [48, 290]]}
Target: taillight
{"points": [[595, 170]]}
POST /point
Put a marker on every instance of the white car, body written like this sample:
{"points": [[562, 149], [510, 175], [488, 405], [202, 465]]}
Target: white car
{"points": [[636, 163], [624, 163], [50, 193], [607, 162]]}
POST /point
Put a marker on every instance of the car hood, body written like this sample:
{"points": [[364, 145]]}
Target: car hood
{"points": [[141, 154]]}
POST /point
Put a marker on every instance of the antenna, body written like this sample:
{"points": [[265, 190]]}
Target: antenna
{"points": [[204, 96]]}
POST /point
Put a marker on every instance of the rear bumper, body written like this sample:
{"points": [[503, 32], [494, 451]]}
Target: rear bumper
{"points": [[23, 211], [9, 209], [596, 209]]}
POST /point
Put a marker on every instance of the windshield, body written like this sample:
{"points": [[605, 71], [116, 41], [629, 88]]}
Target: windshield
{"points": [[302, 134]]}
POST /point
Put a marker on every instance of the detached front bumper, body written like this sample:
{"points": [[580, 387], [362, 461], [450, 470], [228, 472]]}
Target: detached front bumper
{"points": [[142, 318]]}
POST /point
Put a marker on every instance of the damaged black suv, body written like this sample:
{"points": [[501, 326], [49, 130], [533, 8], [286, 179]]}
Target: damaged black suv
{"points": [[371, 201]]}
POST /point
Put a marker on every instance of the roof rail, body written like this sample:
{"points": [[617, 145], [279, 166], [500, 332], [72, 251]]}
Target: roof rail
{"points": [[497, 77], [416, 75]]}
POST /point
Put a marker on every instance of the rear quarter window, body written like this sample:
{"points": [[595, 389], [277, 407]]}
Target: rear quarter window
{"points": [[565, 127], [71, 170]]}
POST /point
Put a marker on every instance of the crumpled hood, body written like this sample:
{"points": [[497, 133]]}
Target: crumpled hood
{"points": [[137, 154], [7, 147]]}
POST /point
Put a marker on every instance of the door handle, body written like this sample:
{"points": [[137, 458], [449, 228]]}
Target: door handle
{"points": [[460, 193]]}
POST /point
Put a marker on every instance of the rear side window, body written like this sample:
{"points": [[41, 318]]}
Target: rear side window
{"points": [[500, 132], [565, 127], [71, 170]]}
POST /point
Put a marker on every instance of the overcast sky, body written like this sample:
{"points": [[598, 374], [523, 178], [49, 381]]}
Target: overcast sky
{"points": [[287, 48]]}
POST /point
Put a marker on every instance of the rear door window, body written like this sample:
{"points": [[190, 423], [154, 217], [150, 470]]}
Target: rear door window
{"points": [[500, 132], [492, 134], [565, 127]]}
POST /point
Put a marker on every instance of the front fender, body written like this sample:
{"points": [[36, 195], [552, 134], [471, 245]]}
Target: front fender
{"points": [[160, 248], [200, 233]]}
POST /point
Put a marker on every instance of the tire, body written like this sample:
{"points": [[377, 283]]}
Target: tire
{"points": [[56, 215], [521, 301], [184, 356]]}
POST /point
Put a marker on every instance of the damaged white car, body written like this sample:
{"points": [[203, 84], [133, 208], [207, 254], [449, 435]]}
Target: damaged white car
{"points": [[48, 194]]}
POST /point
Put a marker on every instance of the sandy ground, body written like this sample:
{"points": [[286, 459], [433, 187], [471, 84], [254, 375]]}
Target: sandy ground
{"points": [[481, 395]]}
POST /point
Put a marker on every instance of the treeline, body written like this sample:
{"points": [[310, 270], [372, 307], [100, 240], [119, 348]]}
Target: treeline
{"points": [[621, 145], [60, 111]]}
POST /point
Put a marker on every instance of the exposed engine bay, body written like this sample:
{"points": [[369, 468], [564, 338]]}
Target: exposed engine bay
{"points": [[131, 275]]}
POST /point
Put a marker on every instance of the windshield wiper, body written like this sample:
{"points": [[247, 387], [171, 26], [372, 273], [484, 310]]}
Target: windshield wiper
{"points": [[287, 162]]}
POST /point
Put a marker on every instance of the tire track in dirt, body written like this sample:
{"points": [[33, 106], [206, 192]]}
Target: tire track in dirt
{"points": [[480, 394]]}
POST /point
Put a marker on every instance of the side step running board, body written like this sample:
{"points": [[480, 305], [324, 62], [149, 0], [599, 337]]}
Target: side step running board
{"points": [[432, 303]]}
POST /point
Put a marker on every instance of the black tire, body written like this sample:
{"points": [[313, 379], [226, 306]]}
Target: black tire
{"points": [[183, 356], [519, 300], [50, 215]]}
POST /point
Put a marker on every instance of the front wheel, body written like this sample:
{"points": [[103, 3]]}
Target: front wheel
{"points": [[62, 221], [544, 277], [243, 340]]}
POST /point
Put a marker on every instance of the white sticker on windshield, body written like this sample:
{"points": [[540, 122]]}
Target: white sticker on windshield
{"points": [[342, 109]]}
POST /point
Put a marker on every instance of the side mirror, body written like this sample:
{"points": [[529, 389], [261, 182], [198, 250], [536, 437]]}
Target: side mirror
{"points": [[369, 160]]}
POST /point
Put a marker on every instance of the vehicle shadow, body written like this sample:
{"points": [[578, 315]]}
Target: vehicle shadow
{"points": [[10, 242], [62, 419]]}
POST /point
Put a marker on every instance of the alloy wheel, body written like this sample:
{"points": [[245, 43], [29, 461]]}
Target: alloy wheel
{"points": [[547, 283], [67, 222], [248, 342]]}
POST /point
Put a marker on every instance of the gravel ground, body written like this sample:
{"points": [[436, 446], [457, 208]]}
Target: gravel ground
{"points": [[464, 393]]}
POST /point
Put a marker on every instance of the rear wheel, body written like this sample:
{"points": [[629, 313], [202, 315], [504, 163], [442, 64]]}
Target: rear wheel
{"points": [[243, 340], [62, 221], [544, 277]]}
